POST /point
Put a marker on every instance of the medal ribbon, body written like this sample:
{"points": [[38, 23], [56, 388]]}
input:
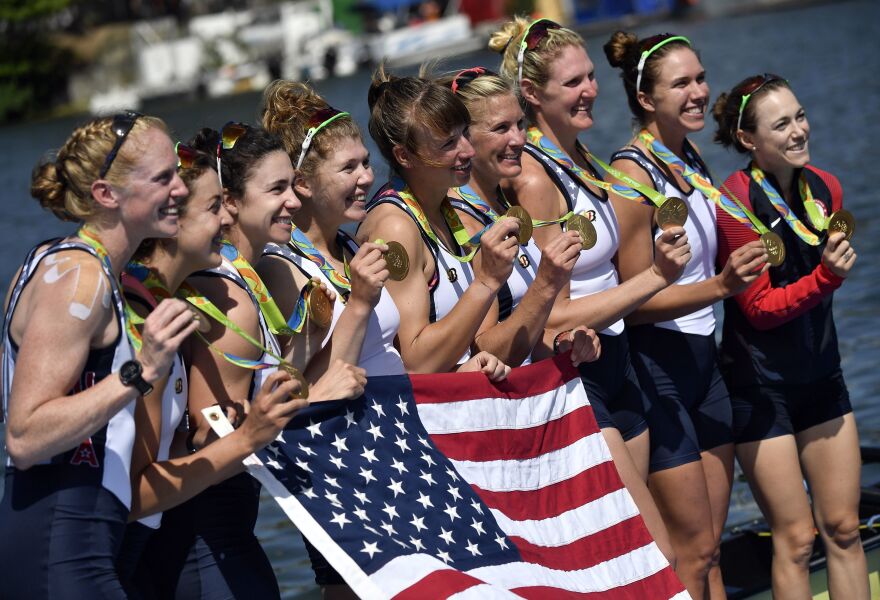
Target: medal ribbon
{"points": [[731, 205], [786, 213], [131, 318], [637, 193], [277, 324], [471, 197], [461, 236], [187, 292], [300, 242]]}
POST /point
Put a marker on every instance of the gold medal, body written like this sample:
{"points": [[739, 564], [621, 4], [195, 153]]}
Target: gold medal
{"points": [[842, 220], [397, 261], [525, 223], [319, 306], [585, 228], [775, 248], [203, 325], [672, 213], [297, 376]]}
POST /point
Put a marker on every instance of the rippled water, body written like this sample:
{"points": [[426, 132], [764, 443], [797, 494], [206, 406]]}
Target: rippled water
{"points": [[831, 56]]}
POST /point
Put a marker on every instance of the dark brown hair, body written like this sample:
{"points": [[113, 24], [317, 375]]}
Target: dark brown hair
{"points": [[399, 105], [726, 111], [624, 50]]}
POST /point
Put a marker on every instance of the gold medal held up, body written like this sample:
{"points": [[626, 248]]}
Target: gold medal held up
{"points": [[672, 213], [319, 306], [396, 260], [525, 223], [775, 248], [585, 228], [842, 220], [297, 376]]}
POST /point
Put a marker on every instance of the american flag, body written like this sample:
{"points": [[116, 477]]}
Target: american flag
{"points": [[528, 504]]}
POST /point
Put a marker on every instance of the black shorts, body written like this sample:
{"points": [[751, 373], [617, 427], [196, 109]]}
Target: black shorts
{"points": [[761, 412], [613, 388], [324, 573], [689, 407]]}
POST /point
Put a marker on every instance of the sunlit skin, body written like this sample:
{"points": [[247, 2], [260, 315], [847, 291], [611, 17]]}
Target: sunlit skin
{"points": [[149, 199], [497, 134], [265, 212], [680, 96], [202, 223], [565, 102], [780, 142]]}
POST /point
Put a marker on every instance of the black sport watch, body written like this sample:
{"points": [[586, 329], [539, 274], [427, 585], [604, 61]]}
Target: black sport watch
{"points": [[130, 375]]}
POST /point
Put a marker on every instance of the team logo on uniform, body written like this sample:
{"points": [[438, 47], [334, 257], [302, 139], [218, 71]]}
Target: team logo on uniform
{"points": [[178, 386], [524, 261], [591, 215], [452, 274], [85, 454]]}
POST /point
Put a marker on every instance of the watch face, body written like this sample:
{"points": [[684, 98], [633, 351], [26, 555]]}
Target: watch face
{"points": [[129, 371]]}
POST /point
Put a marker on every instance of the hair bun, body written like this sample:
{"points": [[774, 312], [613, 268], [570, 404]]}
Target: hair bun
{"points": [[619, 46]]}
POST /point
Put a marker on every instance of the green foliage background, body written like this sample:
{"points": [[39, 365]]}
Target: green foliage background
{"points": [[33, 72]]}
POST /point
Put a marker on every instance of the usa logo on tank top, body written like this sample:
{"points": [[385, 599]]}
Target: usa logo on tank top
{"points": [[85, 454]]}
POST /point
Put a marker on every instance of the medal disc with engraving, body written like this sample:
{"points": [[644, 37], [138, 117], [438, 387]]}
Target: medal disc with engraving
{"points": [[775, 248], [297, 376], [672, 213], [397, 261], [525, 223], [842, 220], [203, 323], [585, 228], [320, 308]]}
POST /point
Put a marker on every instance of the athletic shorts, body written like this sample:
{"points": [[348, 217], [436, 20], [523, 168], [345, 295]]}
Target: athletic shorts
{"points": [[768, 411], [59, 537], [613, 388], [689, 407]]}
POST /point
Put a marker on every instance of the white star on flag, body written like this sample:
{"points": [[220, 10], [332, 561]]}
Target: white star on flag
{"points": [[375, 431], [308, 451], [367, 474], [340, 444], [425, 501], [378, 408], [418, 523], [402, 407], [446, 536], [401, 468], [314, 429], [340, 519], [336, 460], [472, 548], [369, 455], [371, 549], [396, 487], [452, 512], [391, 511]]}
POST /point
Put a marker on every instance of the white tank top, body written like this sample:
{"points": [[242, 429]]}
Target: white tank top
{"points": [[525, 268], [173, 407], [701, 231], [593, 272], [110, 448], [228, 271], [378, 355], [451, 276]]}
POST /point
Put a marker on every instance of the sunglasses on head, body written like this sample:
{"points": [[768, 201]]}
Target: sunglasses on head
{"points": [[749, 89], [535, 32], [465, 77], [656, 42], [186, 155], [121, 127], [318, 121], [229, 135]]}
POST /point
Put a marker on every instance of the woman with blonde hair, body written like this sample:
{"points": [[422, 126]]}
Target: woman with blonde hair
{"points": [[74, 365], [555, 79]]}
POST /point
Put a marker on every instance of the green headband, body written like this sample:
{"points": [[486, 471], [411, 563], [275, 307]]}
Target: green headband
{"points": [[644, 58]]}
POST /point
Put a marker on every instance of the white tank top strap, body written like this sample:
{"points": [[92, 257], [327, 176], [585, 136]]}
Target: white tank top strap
{"points": [[594, 270], [451, 276], [228, 271], [700, 228]]}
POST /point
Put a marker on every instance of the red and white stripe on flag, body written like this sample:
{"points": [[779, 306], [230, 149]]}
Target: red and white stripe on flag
{"points": [[531, 449]]}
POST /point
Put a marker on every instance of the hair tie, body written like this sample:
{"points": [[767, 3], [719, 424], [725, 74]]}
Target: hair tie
{"points": [[504, 47]]}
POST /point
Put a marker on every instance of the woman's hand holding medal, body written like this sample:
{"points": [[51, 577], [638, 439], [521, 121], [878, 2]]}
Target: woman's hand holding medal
{"points": [[672, 251], [745, 265], [368, 274], [839, 255], [498, 249], [558, 259]]}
